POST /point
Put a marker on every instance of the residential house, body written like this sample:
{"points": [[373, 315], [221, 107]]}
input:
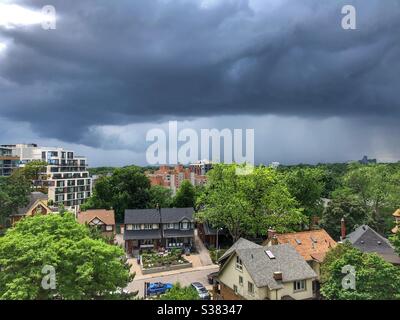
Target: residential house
{"points": [[368, 240], [209, 235], [253, 272], [102, 219], [38, 204], [312, 245], [148, 229]]}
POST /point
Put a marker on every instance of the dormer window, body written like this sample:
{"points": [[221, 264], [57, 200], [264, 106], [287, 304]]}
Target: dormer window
{"points": [[185, 225]]}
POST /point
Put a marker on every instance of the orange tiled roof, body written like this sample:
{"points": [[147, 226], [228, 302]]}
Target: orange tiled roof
{"points": [[107, 216], [397, 213], [311, 245], [395, 229]]}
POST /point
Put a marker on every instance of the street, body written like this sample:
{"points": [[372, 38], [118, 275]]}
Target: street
{"points": [[184, 277]]}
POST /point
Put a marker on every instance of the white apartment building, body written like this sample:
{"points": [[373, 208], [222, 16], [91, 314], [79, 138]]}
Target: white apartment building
{"points": [[68, 179]]}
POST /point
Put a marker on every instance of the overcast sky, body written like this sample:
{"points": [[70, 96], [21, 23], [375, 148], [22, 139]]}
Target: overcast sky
{"points": [[112, 70]]}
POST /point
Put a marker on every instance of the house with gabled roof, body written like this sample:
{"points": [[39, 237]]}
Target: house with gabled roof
{"points": [[253, 272], [312, 245], [148, 229], [37, 204], [368, 240], [103, 220]]}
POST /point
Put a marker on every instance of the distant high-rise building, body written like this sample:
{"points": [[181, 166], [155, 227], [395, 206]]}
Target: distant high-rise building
{"points": [[67, 177], [172, 177], [201, 167], [8, 161]]}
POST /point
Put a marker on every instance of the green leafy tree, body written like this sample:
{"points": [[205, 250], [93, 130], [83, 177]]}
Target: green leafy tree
{"points": [[35, 170], [344, 204], [395, 239], [377, 187], [375, 279], [14, 192], [307, 186], [160, 196], [127, 188], [247, 205], [85, 268], [177, 292], [185, 196]]}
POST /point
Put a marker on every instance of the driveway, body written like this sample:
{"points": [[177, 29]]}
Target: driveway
{"points": [[184, 277], [204, 254]]}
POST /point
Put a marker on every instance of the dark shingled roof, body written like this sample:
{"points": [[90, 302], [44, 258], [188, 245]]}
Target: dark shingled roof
{"points": [[168, 215], [133, 216], [210, 231], [240, 244], [367, 239], [142, 234], [261, 268], [171, 215], [34, 196]]}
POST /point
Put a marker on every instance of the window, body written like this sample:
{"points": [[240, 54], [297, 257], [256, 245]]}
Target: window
{"points": [[135, 227], [299, 285], [109, 228], [239, 264], [184, 225], [241, 280], [129, 227], [235, 288], [148, 226], [250, 287]]}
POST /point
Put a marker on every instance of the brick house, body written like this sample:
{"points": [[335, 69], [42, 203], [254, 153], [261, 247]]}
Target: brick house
{"points": [[102, 219]]}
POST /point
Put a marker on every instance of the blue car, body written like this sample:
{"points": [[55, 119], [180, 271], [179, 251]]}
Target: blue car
{"points": [[157, 288]]}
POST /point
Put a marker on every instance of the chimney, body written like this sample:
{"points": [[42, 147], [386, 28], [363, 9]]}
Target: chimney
{"points": [[342, 229], [278, 275]]}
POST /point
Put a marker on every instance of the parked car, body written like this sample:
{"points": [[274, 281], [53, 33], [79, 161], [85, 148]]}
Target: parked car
{"points": [[157, 288], [212, 277], [201, 290]]}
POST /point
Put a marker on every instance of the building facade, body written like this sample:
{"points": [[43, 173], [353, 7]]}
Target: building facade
{"points": [[153, 229], [8, 161], [172, 177], [101, 219], [66, 176]]}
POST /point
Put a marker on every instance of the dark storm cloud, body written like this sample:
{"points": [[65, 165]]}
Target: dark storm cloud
{"points": [[121, 62]]}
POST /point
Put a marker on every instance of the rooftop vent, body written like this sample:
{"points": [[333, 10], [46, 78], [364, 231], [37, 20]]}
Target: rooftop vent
{"points": [[313, 239], [269, 254], [298, 241], [379, 242]]}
